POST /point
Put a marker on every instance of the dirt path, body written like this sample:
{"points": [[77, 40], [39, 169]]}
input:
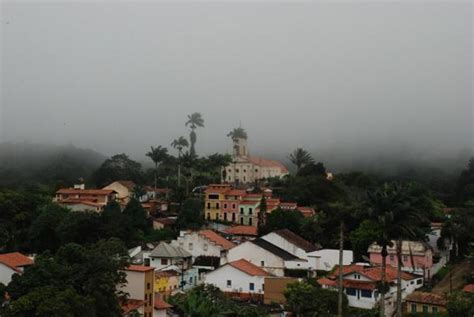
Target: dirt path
{"points": [[458, 273]]}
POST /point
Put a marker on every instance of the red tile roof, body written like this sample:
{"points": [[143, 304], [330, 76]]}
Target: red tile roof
{"points": [[427, 298], [242, 230], [348, 284], [161, 304], [469, 288], [217, 239], [15, 260], [374, 273], [139, 268], [72, 191], [248, 268], [72, 201], [267, 163], [130, 305], [236, 192], [128, 184], [307, 211]]}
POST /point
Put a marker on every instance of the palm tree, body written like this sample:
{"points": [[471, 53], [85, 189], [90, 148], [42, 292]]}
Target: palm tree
{"points": [[157, 155], [237, 133], [300, 158], [188, 160], [195, 120], [179, 144], [393, 208]]}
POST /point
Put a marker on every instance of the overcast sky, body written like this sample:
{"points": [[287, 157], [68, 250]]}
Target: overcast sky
{"points": [[119, 77]]}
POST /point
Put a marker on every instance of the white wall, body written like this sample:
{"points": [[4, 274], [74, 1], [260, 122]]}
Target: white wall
{"points": [[6, 274], [296, 264], [200, 245], [255, 255], [240, 281], [326, 259], [285, 245]]}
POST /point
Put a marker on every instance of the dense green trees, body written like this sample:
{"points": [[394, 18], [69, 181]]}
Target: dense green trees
{"points": [[76, 281], [307, 300], [191, 215], [300, 158], [118, 167]]}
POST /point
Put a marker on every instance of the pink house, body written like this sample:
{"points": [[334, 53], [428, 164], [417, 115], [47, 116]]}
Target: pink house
{"points": [[417, 257]]}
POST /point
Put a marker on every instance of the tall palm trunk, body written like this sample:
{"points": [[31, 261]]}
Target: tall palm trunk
{"points": [[156, 175], [399, 278], [179, 168], [341, 262], [384, 269]]}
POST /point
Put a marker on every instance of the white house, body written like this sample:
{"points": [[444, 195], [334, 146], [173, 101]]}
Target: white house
{"points": [[326, 259], [361, 282], [160, 308], [165, 256], [203, 243], [267, 256], [240, 278], [12, 263], [290, 242]]}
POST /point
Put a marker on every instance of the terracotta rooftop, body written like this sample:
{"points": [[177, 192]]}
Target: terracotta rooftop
{"points": [[427, 298], [267, 163], [161, 304], [236, 192], [128, 184], [130, 305], [139, 268], [469, 288], [296, 240], [217, 239], [248, 268], [373, 272], [242, 230], [15, 260], [72, 191], [307, 211]]}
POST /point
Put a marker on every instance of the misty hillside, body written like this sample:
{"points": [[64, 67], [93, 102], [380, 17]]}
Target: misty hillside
{"points": [[30, 163]]}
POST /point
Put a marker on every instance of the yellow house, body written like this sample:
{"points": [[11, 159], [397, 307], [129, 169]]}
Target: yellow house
{"points": [[426, 303], [215, 193], [166, 283]]}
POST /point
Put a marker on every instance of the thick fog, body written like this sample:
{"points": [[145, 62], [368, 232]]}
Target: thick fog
{"points": [[352, 79]]}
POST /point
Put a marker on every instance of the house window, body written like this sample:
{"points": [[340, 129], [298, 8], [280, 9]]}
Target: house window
{"points": [[191, 280], [405, 258], [147, 262], [237, 170], [208, 216], [419, 281], [241, 210], [262, 263], [148, 285], [425, 309], [252, 286], [164, 261], [225, 206], [225, 216], [245, 179], [208, 205], [190, 246], [366, 293], [250, 211], [213, 196], [229, 283], [233, 206], [413, 308], [250, 221], [233, 217], [256, 170], [241, 220], [435, 309], [217, 205], [392, 258], [351, 291], [205, 247]]}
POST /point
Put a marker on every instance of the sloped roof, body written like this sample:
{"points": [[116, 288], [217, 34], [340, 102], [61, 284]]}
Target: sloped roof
{"points": [[248, 268], [217, 239], [161, 304], [242, 230], [469, 288], [128, 184], [279, 252], [373, 272], [348, 283], [139, 268], [15, 260], [427, 298], [130, 305], [85, 191], [267, 163], [166, 250], [296, 240]]}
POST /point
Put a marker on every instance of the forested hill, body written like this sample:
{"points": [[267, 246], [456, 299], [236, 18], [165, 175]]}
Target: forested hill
{"points": [[29, 163]]}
